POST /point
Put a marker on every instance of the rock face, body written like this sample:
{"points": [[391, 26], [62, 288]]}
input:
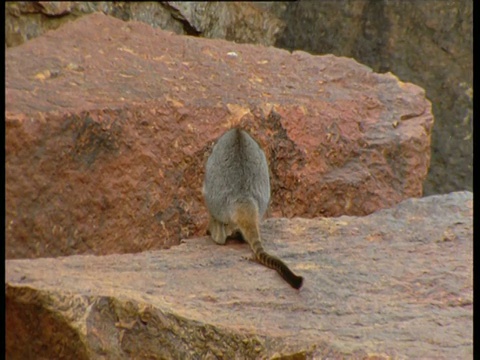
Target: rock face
{"points": [[394, 284], [108, 126], [428, 43], [234, 21]]}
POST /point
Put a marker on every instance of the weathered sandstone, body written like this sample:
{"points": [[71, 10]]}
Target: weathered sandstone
{"points": [[393, 284], [108, 125]]}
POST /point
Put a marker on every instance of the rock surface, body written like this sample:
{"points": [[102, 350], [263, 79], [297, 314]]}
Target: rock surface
{"points": [[428, 43], [394, 284], [234, 21], [108, 125]]}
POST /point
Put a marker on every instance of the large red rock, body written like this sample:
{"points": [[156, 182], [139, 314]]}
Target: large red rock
{"points": [[396, 284], [108, 125]]}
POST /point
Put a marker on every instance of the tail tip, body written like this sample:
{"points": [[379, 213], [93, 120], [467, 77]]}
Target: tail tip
{"points": [[297, 282]]}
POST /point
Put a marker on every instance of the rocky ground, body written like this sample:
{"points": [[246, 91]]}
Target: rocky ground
{"points": [[394, 284], [108, 125]]}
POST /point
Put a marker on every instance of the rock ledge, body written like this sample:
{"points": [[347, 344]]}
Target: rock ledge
{"points": [[395, 283]]}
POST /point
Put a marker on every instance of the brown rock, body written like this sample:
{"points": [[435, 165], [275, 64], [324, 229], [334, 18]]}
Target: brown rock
{"points": [[241, 22], [108, 125], [394, 284], [428, 43]]}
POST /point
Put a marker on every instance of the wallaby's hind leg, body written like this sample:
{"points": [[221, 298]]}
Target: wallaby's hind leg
{"points": [[217, 231]]}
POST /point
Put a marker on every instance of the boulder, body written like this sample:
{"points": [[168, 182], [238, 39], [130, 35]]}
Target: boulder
{"points": [[428, 43], [394, 284], [108, 125]]}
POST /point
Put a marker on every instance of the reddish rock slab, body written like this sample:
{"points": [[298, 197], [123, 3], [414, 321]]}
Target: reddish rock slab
{"points": [[108, 126], [397, 284]]}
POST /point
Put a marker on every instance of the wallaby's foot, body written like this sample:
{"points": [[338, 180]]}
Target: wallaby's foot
{"points": [[217, 231]]}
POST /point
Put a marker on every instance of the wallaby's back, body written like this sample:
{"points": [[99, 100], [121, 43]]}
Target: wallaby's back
{"points": [[237, 170], [237, 193]]}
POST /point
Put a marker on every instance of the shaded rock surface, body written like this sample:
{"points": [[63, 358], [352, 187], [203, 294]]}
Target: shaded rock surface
{"points": [[395, 283], [108, 126], [234, 21], [428, 43]]}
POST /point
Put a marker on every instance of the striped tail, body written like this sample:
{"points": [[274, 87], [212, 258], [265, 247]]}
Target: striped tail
{"points": [[247, 219], [275, 263]]}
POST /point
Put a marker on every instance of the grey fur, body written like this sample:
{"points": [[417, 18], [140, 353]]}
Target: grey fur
{"points": [[236, 171], [237, 193]]}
